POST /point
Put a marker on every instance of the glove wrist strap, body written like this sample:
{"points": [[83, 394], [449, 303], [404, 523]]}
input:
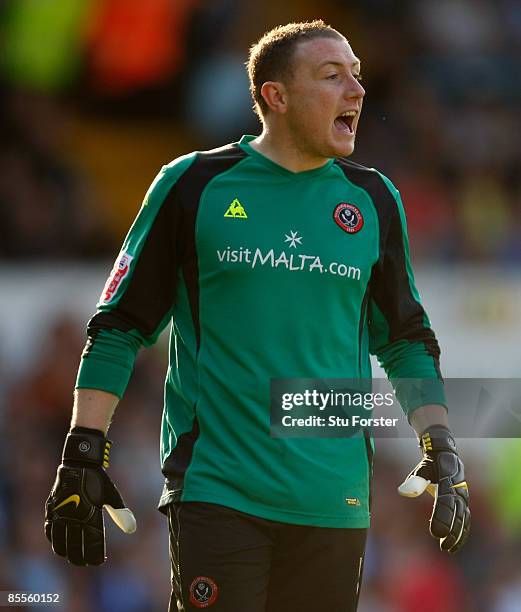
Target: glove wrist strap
{"points": [[87, 446], [437, 438]]}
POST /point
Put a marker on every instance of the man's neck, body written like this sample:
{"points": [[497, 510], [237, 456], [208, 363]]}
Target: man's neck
{"points": [[282, 150]]}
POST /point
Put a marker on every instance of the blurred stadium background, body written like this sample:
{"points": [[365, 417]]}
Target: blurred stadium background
{"points": [[95, 96]]}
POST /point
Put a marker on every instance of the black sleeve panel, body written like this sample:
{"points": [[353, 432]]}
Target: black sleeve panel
{"points": [[150, 292], [169, 247], [207, 166], [390, 283]]}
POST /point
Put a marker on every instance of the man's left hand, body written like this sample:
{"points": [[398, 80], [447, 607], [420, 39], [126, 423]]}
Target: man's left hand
{"points": [[441, 473]]}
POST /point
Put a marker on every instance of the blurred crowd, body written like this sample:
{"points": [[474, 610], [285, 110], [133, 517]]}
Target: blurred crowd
{"points": [[95, 95], [403, 564], [35, 421]]}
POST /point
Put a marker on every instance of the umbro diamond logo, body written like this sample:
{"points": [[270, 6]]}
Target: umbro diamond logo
{"points": [[236, 210]]}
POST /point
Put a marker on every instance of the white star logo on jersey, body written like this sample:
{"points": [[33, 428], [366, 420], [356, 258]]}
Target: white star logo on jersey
{"points": [[293, 239]]}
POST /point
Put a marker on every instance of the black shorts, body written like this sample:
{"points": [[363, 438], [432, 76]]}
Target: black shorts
{"points": [[228, 561]]}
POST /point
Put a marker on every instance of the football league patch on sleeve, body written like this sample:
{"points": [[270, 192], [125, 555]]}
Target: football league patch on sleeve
{"points": [[119, 272]]}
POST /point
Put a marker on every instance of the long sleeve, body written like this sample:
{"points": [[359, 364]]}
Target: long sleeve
{"points": [[136, 302], [399, 328]]}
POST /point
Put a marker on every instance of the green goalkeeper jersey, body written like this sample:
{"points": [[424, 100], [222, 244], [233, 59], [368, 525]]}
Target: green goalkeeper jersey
{"points": [[264, 273]]}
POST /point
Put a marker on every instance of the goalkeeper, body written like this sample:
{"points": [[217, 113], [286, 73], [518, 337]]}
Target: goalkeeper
{"points": [[272, 257]]}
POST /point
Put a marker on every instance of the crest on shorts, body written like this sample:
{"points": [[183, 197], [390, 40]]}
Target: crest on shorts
{"points": [[348, 217], [203, 592]]}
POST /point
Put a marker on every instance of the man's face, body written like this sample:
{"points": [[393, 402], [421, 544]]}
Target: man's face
{"points": [[324, 98]]}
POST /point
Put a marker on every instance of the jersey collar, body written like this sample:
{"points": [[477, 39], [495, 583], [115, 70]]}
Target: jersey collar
{"points": [[244, 143]]}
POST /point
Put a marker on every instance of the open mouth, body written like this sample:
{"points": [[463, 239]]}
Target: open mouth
{"points": [[345, 121]]}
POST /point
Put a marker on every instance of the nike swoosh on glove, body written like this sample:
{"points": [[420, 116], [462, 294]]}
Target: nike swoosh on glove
{"points": [[441, 473], [74, 509]]}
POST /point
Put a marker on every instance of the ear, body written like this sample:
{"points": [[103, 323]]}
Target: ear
{"points": [[275, 96]]}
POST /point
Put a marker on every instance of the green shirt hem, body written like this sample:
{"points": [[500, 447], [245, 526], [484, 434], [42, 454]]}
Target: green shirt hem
{"points": [[359, 520]]}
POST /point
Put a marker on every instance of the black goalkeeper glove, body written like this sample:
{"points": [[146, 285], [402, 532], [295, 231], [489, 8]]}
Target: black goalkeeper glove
{"points": [[73, 511], [441, 473]]}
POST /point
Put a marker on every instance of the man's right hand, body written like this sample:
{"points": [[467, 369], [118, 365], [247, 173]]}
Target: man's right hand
{"points": [[73, 511]]}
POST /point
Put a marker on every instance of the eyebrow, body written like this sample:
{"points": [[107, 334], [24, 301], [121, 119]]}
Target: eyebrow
{"points": [[340, 64]]}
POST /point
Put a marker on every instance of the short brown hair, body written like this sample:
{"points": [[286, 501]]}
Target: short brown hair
{"points": [[270, 58]]}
